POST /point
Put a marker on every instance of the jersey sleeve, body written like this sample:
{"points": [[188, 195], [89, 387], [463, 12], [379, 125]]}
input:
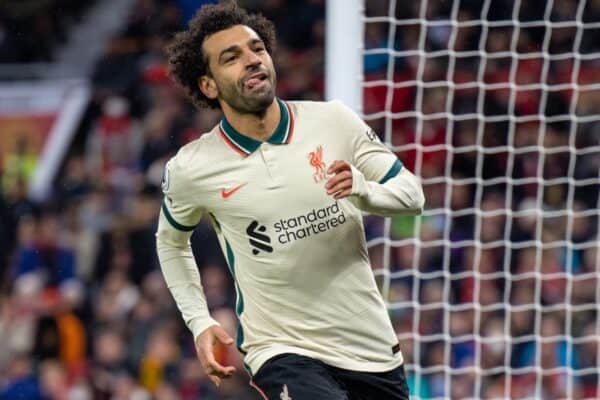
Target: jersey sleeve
{"points": [[179, 207], [369, 155], [178, 217]]}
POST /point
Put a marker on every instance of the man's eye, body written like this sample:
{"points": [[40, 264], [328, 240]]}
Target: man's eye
{"points": [[230, 58], [259, 49]]}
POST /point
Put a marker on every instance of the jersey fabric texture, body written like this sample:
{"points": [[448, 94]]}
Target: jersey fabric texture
{"points": [[298, 257]]}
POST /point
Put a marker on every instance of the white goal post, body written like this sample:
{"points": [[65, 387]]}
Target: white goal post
{"points": [[344, 51], [495, 104]]}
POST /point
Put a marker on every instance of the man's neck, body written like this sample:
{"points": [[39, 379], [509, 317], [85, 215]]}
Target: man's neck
{"points": [[256, 126]]}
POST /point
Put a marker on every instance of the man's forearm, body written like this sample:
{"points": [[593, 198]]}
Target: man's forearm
{"points": [[401, 194], [181, 274]]}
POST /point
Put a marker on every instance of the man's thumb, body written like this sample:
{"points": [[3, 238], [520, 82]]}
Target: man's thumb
{"points": [[222, 335]]}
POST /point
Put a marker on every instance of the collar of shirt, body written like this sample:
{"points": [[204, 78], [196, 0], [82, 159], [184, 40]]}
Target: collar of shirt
{"points": [[245, 145]]}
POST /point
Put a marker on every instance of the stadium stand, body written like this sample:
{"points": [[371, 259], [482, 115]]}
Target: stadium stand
{"points": [[31, 30]]}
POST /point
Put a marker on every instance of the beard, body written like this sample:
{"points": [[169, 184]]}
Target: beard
{"points": [[245, 100]]}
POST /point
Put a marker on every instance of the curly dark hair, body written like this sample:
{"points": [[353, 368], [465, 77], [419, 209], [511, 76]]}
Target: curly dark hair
{"points": [[187, 62]]}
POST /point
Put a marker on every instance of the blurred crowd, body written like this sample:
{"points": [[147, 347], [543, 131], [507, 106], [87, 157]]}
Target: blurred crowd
{"points": [[30, 30], [504, 260]]}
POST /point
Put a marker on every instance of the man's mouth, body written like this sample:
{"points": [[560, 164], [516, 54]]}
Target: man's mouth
{"points": [[255, 80]]}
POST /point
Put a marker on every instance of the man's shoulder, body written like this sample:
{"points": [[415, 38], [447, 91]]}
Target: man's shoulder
{"points": [[196, 152], [309, 109], [315, 105]]}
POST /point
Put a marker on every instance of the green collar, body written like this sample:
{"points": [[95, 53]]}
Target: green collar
{"points": [[245, 145]]}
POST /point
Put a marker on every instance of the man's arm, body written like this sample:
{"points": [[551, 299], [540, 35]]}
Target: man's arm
{"points": [[400, 195], [373, 177], [181, 275], [178, 217]]}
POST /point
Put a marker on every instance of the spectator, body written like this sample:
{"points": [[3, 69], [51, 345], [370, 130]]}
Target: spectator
{"points": [[45, 259], [115, 143], [20, 164], [21, 381]]}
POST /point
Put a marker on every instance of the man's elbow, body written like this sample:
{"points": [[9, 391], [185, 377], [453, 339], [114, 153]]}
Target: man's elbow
{"points": [[417, 201], [414, 196], [168, 239]]}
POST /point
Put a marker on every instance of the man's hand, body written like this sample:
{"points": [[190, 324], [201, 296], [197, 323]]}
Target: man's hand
{"points": [[204, 347], [340, 184]]}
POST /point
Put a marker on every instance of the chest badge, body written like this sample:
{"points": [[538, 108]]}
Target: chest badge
{"points": [[315, 158]]}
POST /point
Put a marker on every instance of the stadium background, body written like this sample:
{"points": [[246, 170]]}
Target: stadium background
{"points": [[84, 312]]}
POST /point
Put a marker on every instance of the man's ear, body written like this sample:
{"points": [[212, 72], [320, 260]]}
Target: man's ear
{"points": [[208, 87]]}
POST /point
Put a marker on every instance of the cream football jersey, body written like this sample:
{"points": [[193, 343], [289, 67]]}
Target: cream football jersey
{"points": [[298, 257]]}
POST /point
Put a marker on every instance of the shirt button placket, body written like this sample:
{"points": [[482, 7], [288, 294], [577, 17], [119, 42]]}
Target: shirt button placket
{"points": [[270, 163]]}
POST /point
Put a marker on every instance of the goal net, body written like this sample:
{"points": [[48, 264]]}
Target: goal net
{"points": [[494, 290]]}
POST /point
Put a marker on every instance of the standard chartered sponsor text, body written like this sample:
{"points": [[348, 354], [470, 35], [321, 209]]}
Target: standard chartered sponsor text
{"points": [[312, 223]]}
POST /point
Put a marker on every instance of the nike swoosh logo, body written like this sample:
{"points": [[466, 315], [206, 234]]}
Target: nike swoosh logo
{"points": [[226, 193]]}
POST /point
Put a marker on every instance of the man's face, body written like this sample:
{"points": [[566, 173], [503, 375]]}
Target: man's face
{"points": [[241, 68]]}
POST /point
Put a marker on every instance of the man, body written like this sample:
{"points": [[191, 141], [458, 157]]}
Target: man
{"points": [[284, 184]]}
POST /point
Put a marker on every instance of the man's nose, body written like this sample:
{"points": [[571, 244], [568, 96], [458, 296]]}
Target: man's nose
{"points": [[251, 58]]}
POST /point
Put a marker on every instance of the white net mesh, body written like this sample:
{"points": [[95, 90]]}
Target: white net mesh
{"points": [[494, 291]]}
